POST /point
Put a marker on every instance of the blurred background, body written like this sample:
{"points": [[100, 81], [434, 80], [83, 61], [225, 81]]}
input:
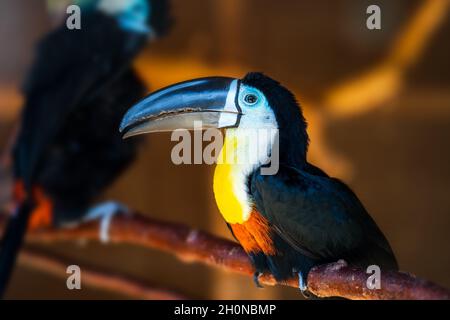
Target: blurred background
{"points": [[377, 103]]}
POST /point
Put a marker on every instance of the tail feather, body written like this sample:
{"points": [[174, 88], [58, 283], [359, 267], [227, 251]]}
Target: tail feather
{"points": [[11, 243]]}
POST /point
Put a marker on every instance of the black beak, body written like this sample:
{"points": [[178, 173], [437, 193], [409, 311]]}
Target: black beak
{"points": [[200, 103]]}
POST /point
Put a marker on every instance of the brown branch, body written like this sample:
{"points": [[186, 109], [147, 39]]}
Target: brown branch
{"points": [[6, 152], [335, 279], [96, 278]]}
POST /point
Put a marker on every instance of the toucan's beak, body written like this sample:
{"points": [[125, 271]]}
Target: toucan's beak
{"points": [[211, 102]]}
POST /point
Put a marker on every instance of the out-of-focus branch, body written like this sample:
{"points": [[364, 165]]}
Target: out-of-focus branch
{"points": [[385, 80], [335, 279], [373, 87], [5, 154], [10, 101], [417, 32], [96, 278]]}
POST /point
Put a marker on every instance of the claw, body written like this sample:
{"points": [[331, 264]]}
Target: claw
{"points": [[105, 212], [256, 276], [302, 285], [301, 282]]}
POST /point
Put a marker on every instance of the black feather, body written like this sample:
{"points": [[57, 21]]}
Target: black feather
{"points": [[161, 18], [11, 242]]}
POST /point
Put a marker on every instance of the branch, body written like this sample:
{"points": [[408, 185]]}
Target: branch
{"points": [[96, 278], [6, 152], [372, 88], [336, 279]]}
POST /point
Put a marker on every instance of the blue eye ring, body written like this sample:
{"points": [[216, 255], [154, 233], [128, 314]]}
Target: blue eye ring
{"points": [[250, 99]]}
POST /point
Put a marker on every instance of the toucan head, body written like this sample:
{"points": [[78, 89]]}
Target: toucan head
{"points": [[253, 102], [150, 17]]}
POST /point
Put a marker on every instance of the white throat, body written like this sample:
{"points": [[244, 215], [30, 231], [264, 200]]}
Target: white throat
{"points": [[243, 152]]}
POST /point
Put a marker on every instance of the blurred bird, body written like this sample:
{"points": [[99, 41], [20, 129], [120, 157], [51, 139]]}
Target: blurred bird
{"points": [[68, 149], [287, 220]]}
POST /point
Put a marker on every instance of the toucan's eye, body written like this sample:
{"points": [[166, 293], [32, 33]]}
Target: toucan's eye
{"points": [[250, 99]]}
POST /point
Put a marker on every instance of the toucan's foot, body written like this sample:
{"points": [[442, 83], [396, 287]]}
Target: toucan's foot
{"points": [[302, 285], [104, 212], [256, 276], [301, 282]]}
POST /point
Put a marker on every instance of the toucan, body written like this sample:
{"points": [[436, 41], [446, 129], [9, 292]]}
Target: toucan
{"points": [[68, 149], [287, 220]]}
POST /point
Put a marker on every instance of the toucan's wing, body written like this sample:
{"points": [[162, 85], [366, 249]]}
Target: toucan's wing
{"points": [[320, 217], [69, 68]]}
